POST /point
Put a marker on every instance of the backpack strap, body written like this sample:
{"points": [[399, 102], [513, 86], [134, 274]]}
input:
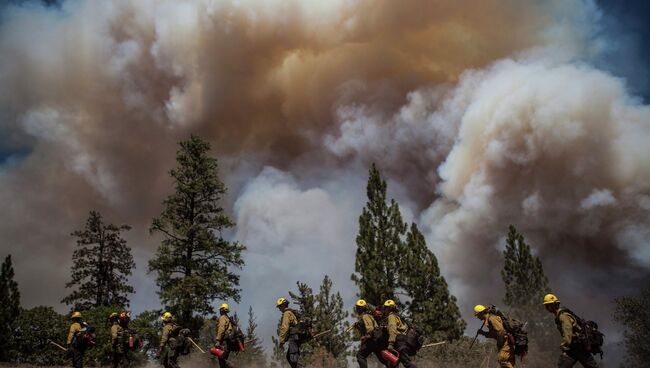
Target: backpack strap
{"points": [[233, 324]]}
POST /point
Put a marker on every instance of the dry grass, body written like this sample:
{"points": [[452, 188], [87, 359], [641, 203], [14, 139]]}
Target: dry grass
{"points": [[454, 355]]}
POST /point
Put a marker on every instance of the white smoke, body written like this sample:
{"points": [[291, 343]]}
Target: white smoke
{"points": [[480, 114], [294, 234]]}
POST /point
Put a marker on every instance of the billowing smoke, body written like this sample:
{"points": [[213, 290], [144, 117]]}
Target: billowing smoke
{"points": [[481, 114]]}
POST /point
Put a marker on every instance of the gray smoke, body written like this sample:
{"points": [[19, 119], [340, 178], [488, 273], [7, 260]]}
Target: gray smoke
{"points": [[480, 114]]}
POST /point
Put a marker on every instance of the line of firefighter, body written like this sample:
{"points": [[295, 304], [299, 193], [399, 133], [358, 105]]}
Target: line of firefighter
{"points": [[382, 333], [81, 337], [573, 348]]}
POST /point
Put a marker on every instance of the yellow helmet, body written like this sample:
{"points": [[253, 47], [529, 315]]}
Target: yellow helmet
{"points": [[224, 307], [166, 316], [361, 303], [479, 309], [281, 301], [113, 315], [389, 303], [76, 314], [550, 299]]}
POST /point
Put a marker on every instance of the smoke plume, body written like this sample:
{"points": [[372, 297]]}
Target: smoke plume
{"points": [[480, 114]]}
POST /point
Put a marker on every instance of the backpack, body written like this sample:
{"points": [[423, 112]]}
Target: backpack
{"points": [[517, 334], [85, 338], [303, 329], [414, 339], [380, 334], [179, 340], [589, 335], [131, 340], [378, 315], [235, 338]]}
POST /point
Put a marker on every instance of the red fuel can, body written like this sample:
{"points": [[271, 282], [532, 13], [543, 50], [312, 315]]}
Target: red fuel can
{"points": [[216, 352], [391, 358]]}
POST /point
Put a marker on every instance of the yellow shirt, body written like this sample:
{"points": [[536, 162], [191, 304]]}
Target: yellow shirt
{"points": [[288, 320], [166, 331], [567, 325], [367, 324], [223, 326], [395, 327], [116, 331], [74, 328], [496, 330]]}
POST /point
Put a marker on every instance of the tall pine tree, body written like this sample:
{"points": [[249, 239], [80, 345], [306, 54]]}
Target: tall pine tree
{"points": [[101, 266], [9, 306], [194, 263], [431, 306], [633, 313], [326, 311], [254, 355], [525, 287], [305, 299], [379, 244], [329, 314]]}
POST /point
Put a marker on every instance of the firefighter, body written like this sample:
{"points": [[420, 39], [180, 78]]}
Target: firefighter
{"points": [[494, 323], [167, 353], [397, 334], [116, 339], [74, 348], [288, 332], [224, 332], [572, 350], [372, 341]]}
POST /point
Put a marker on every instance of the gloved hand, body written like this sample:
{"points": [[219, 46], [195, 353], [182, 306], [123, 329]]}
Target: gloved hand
{"points": [[391, 346]]}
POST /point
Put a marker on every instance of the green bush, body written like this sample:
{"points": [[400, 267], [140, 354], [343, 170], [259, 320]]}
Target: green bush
{"points": [[34, 328], [149, 327], [32, 331]]}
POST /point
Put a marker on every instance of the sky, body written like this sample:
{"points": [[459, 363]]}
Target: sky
{"points": [[479, 114]]}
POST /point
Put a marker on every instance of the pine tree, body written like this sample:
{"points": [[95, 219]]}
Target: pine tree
{"points": [[525, 286], [278, 357], [431, 307], [633, 313], [30, 333], [9, 305], [194, 263], [101, 266], [326, 311], [379, 244], [305, 299], [254, 355], [329, 314]]}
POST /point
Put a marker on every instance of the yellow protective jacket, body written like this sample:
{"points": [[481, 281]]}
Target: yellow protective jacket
{"points": [[366, 324], [496, 330], [395, 327], [288, 320], [223, 327], [75, 327], [567, 326], [166, 331], [116, 333]]}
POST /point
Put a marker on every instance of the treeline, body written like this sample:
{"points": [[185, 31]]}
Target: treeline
{"points": [[195, 265]]}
